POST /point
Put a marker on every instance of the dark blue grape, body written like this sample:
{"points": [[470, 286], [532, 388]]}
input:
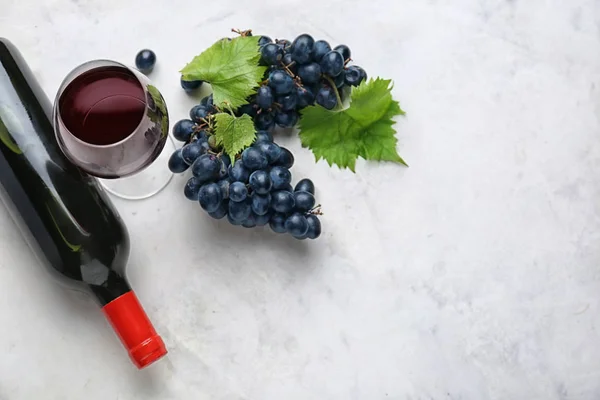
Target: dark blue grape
{"points": [[200, 135], [182, 130], [226, 160], [207, 101], [310, 73], [264, 121], [238, 173], [326, 98], [145, 61], [284, 45], [260, 182], [288, 188], [264, 40], [302, 48], [288, 62], [305, 97], [282, 201], [261, 203], [332, 63], [206, 167], [354, 75], [280, 176], [264, 97], [270, 54], [364, 74], [262, 220], [210, 197], [271, 150], [296, 224], [286, 158], [288, 102], [281, 82], [238, 191], [254, 159], [224, 186], [304, 200], [192, 188], [263, 136], [314, 227], [189, 86], [320, 48], [249, 109], [223, 170], [305, 185], [239, 211], [190, 152], [176, 162], [221, 211], [344, 51], [340, 80], [249, 222], [277, 223], [231, 220], [286, 119], [198, 113]]}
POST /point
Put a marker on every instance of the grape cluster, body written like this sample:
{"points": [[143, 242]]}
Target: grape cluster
{"points": [[255, 190], [299, 74]]}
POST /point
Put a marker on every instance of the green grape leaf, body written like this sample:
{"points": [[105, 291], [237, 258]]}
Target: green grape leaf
{"points": [[234, 134], [364, 129], [231, 67]]}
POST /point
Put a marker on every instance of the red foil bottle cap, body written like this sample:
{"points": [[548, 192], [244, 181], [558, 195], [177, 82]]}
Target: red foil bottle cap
{"points": [[130, 322]]}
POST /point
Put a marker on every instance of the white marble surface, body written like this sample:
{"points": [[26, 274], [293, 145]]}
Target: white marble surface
{"points": [[474, 274]]}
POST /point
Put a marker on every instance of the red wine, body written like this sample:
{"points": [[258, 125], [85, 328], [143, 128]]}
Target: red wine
{"points": [[66, 218], [103, 106]]}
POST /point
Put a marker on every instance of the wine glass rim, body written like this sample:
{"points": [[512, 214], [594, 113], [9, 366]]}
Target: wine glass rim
{"points": [[71, 76]]}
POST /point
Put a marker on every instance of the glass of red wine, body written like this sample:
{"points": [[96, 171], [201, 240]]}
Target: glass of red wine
{"points": [[113, 123]]}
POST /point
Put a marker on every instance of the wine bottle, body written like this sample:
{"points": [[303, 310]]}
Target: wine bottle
{"points": [[65, 216]]}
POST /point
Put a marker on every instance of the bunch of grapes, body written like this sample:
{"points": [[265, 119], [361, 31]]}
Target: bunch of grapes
{"points": [[254, 190], [299, 74]]}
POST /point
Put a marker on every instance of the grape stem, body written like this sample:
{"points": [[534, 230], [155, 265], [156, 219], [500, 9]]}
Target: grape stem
{"points": [[337, 93], [316, 210]]}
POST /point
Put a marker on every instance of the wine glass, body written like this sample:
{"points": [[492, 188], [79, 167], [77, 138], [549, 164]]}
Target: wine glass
{"points": [[111, 122]]}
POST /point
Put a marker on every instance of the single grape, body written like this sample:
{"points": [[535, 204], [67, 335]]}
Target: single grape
{"points": [[277, 223], [286, 158], [302, 48], [304, 200], [264, 40], [340, 80], [326, 98], [231, 220], [332, 63], [263, 136], [261, 203], [237, 192], [353, 75], [286, 119], [254, 159], [260, 182], [344, 51], [223, 170], [305, 185], [190, 152], [226, 160], [224, 186], [264, 121], [310, 73], [176, 162], [364, 74], [314, 227], [262, 220], [210, 197], [280, 176], [206, 167], [282, 201], [198, 113], [288, 188], [250, 221], [270, 54], [249, 109], [281, 82], [189, 86], [200, 135], [287, 60], [207, 101], [271, 150], [284, 45], [239, 211], [221, 211], [212, 143], [264, 97], [320, 48], [145, 61], [305, 97], [296, 224], [192, 188], [182, 130], [238, 173], [288, 102]]}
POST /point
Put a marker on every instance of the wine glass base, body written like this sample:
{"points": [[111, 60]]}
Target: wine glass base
{"points": [[146, 183]]}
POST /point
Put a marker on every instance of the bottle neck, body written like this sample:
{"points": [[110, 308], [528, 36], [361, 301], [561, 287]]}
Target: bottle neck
{"points": [[112, 288]]}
